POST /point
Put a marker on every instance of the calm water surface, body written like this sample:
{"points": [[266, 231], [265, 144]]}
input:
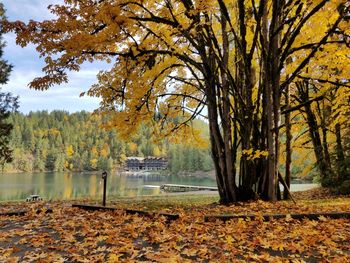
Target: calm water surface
{"points": [[60, 186]]}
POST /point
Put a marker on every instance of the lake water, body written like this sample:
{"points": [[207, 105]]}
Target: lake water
{"points": [[65, 186]]}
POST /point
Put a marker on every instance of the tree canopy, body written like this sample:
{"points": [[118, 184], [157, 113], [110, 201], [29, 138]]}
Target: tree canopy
{"points": [[237, 62]]}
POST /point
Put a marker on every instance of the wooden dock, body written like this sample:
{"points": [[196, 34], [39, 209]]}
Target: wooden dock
{"points": [[185, 188]]}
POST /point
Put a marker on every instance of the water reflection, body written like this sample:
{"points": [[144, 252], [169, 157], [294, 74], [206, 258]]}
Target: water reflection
{"points": [[64, 186], [79, 185]]}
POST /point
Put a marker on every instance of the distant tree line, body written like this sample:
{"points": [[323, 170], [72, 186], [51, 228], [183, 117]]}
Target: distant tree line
{"points": [[59, 141]]}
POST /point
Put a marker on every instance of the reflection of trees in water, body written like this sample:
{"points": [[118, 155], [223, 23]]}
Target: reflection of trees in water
{"points": [[54, 186], [122, 180], [68, 186], [93, 185], [59, 186], [42, 185], [154, 178]]}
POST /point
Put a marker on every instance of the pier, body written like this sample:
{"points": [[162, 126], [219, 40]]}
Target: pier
{"points": [[185, 188]]}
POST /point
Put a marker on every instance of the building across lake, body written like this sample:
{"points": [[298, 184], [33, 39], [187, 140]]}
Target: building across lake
{"points": [[146, 163]]}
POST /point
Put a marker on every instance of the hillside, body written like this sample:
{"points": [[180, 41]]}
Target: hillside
{"points": [[60, 141]]}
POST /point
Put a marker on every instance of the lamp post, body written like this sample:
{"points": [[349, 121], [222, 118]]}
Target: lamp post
{"points": [[104, 177]]}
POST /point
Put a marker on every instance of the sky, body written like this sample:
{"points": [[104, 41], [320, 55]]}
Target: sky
{"points": [[27, 66]]}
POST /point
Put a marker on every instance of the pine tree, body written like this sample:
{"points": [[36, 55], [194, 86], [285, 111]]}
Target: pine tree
{"points": [[8, 103]]}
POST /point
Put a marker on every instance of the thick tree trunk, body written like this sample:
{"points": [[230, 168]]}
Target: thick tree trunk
{"points": [[249, 172], [271, 73], [219, 123], [267, 108], [224, 175], [221, 143], [221, 150], [245, 82], [275, 86], [230, 155]]}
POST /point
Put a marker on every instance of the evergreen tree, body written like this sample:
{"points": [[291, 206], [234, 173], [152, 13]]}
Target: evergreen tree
{"points": [[8, 103]]}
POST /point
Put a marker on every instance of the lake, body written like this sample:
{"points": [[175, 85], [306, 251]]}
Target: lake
{"points": [[65, 186]]}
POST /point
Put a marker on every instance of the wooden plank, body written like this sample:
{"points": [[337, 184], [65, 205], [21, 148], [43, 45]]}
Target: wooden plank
{"points": [[312, 216], [23, 212], [14, 213], [139, 212], [128, 211], [169, 216], [94, 207]]}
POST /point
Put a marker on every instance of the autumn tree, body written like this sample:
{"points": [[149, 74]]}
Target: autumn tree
{"points": [[321, 96], [8, 104], [326, 115], [172, 59]]}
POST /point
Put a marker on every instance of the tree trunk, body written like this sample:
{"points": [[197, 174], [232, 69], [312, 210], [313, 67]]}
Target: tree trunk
{"points": [[220, 144], [275, 82], [340, 155], [311, 120], [324, 114], [245, 78], [227, 190], [288, 146], [272, 94], [230, 156]]}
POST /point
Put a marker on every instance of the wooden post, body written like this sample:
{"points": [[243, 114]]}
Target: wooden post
{"points": [[104, 177]]}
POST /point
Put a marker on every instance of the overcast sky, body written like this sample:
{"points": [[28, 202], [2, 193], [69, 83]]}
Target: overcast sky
{"points": [[27, 65]]}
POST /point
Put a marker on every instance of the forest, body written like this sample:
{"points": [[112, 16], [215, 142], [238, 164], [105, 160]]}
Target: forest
{"points": [[60, 141]]}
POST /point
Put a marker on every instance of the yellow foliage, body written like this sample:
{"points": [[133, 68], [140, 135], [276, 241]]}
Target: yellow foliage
{"points": [[70, 151], [123, 157], [54, 131], [94, 151], [254, 154], [132, 147], [157, 152], [105, 151], [93, 163]]}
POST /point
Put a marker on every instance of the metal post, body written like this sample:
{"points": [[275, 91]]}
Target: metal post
{"points": [[104, 177]]}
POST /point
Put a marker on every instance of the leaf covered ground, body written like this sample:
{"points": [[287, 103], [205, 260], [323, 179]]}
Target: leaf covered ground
{"points": [[75, 235]]}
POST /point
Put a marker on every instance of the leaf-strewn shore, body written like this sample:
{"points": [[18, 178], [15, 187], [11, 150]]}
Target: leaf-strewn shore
{"points": [[75, 235]]}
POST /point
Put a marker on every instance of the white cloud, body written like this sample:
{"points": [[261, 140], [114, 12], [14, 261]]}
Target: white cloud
{"points": [[26, 10], [27, 66], [13, 52], [59, 97]]}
